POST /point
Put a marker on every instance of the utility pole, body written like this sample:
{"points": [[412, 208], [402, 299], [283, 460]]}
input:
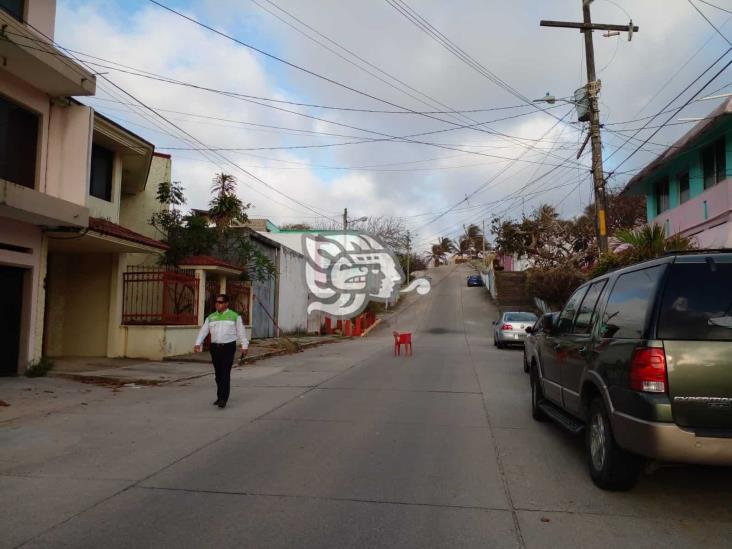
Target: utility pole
{"points": [[593, 89], [345, 220], [484, 263], [409, 253]]}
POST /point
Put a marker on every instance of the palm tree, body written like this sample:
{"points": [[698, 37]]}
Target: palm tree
{"points": [[446, 245], [225, 206], [439, 251], [437, 255], [471, 241], [650, 241]]}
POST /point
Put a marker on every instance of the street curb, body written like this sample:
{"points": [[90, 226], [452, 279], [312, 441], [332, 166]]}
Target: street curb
{"points": [[374, 325], [261, 356], [110, 381]]}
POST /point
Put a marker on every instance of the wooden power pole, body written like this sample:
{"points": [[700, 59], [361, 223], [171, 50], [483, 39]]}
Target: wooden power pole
{"points": [[593, 89], [409, 255]]}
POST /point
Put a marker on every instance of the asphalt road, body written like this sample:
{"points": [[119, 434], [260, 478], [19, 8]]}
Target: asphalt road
{"points": [[343, 446]]}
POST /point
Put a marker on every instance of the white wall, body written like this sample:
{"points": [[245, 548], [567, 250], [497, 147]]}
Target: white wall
{"points": [[137, 209], [69, 153], [293, 299], [42, 15], [158, 342]]}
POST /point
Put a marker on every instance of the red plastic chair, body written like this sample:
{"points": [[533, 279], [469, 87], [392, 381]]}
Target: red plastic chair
{"points": [[402, 339]]}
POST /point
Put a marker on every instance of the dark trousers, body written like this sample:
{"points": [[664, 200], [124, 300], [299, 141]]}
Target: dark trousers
{"points": [[222, 356]]}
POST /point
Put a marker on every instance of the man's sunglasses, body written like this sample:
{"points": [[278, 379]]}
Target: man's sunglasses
{"points": [[220, 302]]}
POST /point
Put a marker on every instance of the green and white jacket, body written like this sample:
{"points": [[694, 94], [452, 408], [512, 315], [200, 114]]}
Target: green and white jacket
{"points": [[224, 327]]}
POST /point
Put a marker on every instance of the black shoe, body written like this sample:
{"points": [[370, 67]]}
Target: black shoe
{"points": [[222, 404], [217, 402]]}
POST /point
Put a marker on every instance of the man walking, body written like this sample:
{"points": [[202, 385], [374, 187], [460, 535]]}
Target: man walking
{"points": [[225, 327]]}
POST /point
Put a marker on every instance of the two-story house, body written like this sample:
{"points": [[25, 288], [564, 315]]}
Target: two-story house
{"points": [[79, 273], [688, 188], [44, 151]]}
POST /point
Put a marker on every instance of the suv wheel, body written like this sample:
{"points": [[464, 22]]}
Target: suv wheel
{"points": [[536, 396], [611, 467], [526, 362]]}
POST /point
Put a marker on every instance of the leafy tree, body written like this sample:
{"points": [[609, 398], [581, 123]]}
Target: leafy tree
{"points": [[546, 239], [554, 285], [623, 212], [192, 235], [416, 263], [170, 195]]}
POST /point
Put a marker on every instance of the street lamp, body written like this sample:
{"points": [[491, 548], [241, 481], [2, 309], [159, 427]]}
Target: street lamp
{"points": [[346, 220], [548, 98]]}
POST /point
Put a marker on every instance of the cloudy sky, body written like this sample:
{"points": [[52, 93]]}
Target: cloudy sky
{"points": [[305, 144]]}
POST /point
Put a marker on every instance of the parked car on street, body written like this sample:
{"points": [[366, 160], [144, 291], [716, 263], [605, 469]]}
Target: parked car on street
{"points": [[475, 280], [510, 328], [641, 360], [534, 334]]}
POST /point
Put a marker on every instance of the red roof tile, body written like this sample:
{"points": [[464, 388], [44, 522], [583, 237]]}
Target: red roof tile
{"points": [[104, 226], [207, 261]]}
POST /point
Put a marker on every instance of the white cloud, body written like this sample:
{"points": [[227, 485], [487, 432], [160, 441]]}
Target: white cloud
{"points": [[503, 36]]}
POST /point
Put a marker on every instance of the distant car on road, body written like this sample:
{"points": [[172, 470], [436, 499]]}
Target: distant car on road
{"points": [[510, 328], [535, 334], [475, 280], [641, 360]]}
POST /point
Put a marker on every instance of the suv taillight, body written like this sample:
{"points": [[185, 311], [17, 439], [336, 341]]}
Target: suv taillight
{"points": [[648, 370], [508, 327]]}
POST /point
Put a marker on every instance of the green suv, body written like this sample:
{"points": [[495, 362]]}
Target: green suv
{"points": [[641, 359]]}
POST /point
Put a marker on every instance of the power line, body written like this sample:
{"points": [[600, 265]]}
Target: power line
{"points": [[389, 137], [484, 185], [715, 6], [424, 25], [260, 98], [676, 110], [433, 101], [719, 32], [310, 72], [228, 161], [669, 118]]}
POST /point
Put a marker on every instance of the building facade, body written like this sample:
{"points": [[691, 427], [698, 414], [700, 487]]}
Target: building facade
{"points": [[688, 188], [45, 148], [77, 191]]}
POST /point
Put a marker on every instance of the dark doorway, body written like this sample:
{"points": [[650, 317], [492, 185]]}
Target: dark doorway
{"points": [[11, 305]]}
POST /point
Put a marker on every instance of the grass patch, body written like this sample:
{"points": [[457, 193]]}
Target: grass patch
{"points": [[39, 368]]}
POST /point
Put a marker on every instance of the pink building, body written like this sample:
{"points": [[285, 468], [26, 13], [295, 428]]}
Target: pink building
{"points": [[688, 188], [76, 193]]}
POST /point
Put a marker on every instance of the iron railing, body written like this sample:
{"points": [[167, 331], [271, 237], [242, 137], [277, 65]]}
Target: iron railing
{"points": [[157, 296]]}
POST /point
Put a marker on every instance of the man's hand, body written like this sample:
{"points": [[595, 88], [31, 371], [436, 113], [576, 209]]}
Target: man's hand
{"points": [[196, 348], [243, 355]]}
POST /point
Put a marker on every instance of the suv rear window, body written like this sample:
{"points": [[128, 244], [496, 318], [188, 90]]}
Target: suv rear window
{"points": [[629, 302], [697, 302]]}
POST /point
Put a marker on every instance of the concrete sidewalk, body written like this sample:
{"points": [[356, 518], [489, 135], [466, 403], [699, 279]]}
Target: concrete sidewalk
{"points": [[125, 371]]}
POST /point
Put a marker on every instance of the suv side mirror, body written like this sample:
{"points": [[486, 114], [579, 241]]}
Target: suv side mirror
{"points": [[530, 330]]}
